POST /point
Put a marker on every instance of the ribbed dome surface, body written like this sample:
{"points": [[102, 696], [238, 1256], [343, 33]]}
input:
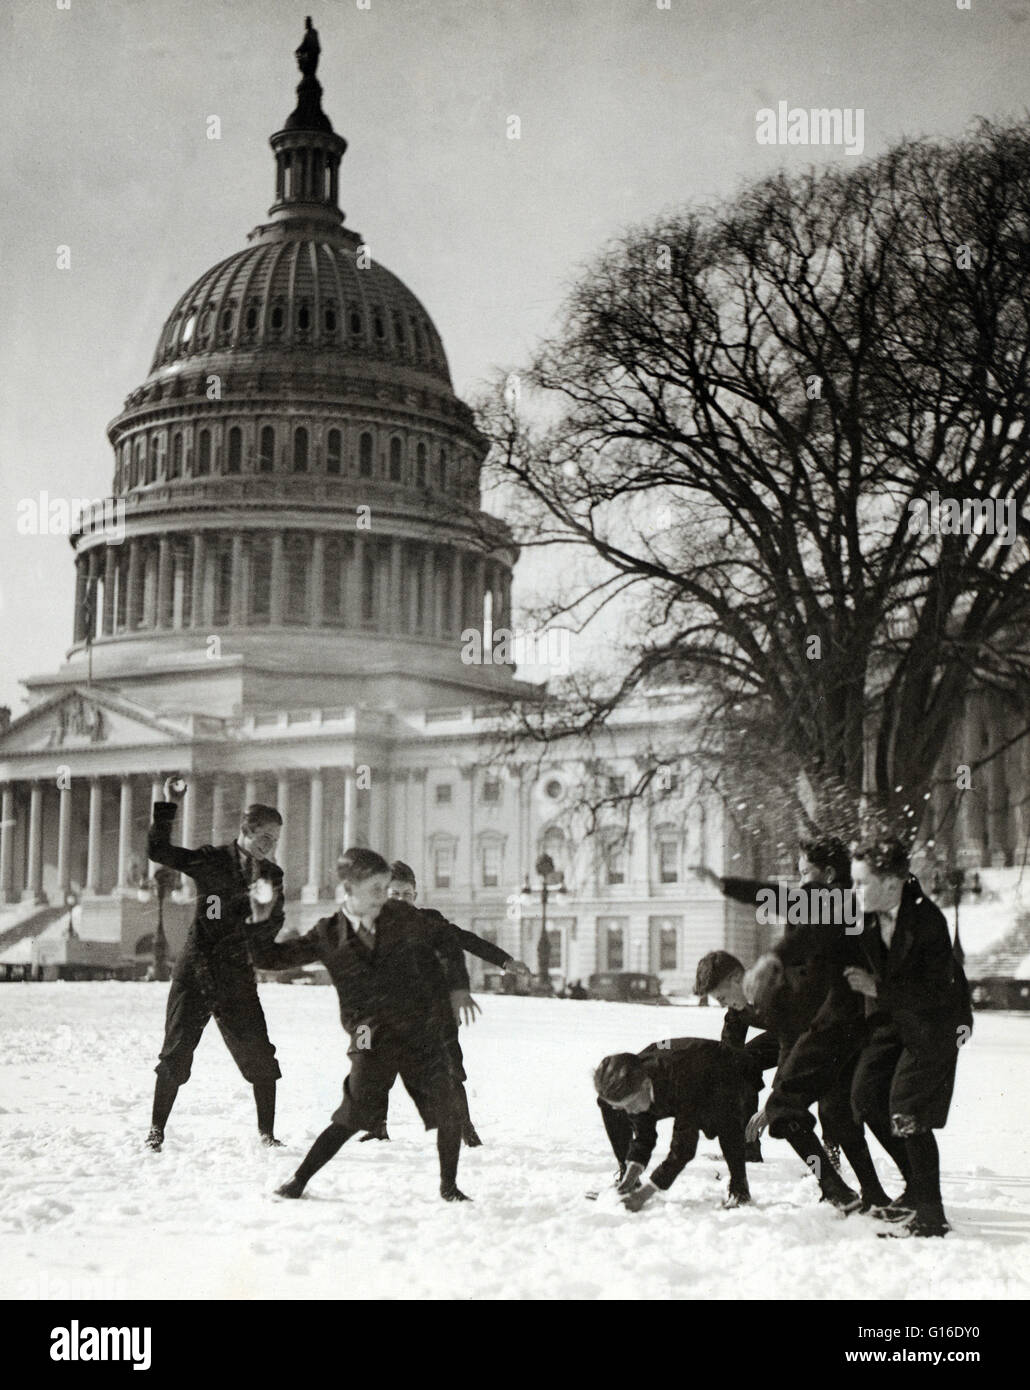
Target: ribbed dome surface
{"points": [[303, 292]]}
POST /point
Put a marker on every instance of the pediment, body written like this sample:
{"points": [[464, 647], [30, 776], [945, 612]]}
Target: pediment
{"points": [[81, 718]]}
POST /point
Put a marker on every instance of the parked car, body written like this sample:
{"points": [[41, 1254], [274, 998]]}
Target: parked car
{"points": [[1000, 992], [626, 987]]}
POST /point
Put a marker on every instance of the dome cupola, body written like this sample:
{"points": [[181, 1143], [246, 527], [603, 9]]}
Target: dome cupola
{"points": [[298, 479]]}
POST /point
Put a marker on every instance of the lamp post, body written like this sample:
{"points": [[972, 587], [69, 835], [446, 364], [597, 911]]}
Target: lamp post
{"points": [[953, 883], [550, 878], [162, 883]]}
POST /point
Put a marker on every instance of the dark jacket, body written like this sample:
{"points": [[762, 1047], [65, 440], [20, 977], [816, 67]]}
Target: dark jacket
{"points": [[701, 1086], [467, 940], [396, 992], [921, 985], [217, 945]]}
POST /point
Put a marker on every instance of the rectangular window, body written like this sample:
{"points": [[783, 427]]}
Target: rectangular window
{"points": [[615, 863], [443, 865], [665, 933], [443, 794], [492, 790], [491, 864], [611, 942], [668, 860]]}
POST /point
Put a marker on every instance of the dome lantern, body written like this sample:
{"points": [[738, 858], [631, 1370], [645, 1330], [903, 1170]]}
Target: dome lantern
{"points": [[307, 149]]}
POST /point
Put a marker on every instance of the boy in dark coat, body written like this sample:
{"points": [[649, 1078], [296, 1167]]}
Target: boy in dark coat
{"points": [[808, 965], [698, 1083], [783, 1013], [918, 1015], [214, 974], [404, 887], [400, 980]]}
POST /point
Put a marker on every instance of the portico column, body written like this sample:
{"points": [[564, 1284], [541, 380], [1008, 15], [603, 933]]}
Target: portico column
{"points": [[7, 828], [249, 790], [64, 836], [276, 582], [124, 832], [156, 794], [189, 822], [349, 829], [282, 802], [110, 583], [94, 841], [312, 889], [379, 828], [197, 580], [217, 809], [399, 816], [317, 578], [34, 888]]}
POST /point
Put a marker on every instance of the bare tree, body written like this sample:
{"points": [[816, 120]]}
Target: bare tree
{"points": [[746, 421]]}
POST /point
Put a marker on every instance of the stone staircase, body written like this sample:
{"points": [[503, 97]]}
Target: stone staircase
{"points": [[29, 920]]}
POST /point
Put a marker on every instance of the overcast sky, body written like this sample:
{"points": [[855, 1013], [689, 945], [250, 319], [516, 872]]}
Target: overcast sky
{"points": [[625, 109]]}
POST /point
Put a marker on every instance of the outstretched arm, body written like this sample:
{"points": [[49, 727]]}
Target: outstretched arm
{"points": [[159, 842], [443, 938]]}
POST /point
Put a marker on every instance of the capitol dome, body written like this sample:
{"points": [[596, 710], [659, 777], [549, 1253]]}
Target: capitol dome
{"points": [[299, 482], [296, 291]]}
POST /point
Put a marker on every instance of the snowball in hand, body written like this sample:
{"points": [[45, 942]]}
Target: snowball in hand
{"points": [[262, 891]]}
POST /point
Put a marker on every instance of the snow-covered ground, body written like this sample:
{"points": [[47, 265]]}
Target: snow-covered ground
{"points": [[86, 1212]]}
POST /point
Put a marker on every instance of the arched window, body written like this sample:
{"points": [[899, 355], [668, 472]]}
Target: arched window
{"points": [[395, 460], [252, 319], [420, 466], [203, 453], [266, 456], [355, 321], [304, 318], [330, 320], [365, 455], [398, 330], [553, 843], [333, 451], [234, 463], [380, 327], [300, 450], [176, 469]]}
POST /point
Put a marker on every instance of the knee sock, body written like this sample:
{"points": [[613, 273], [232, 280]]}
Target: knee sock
{"points": [[264, 1100], [924, 1183], [448, 1146], [881, 1131], [807, 1146], [856, 1151], [326, 1146], [164, 1098]]}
